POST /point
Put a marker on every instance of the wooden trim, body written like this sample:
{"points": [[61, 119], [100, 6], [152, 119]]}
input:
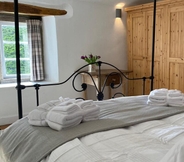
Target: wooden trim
{"points": [[138, 7], [150, 5], [4, 126], [29, 10]]}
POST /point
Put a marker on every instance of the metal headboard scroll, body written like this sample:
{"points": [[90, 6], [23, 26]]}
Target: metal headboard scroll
{"points": [[20, 87], [100, 90]]}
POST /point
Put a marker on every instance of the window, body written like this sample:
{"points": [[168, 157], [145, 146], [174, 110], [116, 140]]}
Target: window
{"points": [[7, 50]]}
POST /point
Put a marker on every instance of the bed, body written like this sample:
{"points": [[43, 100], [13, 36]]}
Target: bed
{"points": [[128, 129]]}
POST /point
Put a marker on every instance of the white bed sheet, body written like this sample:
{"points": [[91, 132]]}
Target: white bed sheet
{"points": [[152, 141]]}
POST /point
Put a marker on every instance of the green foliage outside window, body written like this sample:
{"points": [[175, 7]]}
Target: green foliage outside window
{"points": [[11, 67], [9, 49], [9, 33]]}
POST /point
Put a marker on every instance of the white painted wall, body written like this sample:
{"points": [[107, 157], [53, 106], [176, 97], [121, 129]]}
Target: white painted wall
{"points": [[89, 27]]}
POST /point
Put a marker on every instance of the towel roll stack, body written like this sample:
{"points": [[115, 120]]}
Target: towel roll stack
{"points": [[64, 113], [166, 97]]}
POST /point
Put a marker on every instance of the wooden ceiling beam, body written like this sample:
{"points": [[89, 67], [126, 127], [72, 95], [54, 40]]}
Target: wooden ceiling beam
{"points": [[30, 10]]}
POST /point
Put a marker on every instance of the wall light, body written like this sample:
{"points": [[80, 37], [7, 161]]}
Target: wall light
{"points": [[118, 13]]}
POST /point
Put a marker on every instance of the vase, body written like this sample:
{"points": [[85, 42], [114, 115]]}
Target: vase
{"points": [[91, 68]]}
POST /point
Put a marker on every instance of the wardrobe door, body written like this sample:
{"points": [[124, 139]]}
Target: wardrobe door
{"points": [[160, 49], [140, 34], [136, 50], [176, 46]]}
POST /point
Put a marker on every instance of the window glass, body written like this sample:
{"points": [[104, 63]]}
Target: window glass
{"points": [[7, 38]]}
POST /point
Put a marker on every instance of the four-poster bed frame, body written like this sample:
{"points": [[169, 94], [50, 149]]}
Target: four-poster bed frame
{"points": [[134, 128], [100, 94]]}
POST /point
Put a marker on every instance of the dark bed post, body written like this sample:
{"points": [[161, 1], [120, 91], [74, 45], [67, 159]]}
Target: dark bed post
{"points": [[153, 45], [37, 93], [19, 89]]}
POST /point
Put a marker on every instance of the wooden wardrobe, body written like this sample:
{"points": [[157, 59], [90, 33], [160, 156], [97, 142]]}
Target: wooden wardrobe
{"points": [[169, 45]]}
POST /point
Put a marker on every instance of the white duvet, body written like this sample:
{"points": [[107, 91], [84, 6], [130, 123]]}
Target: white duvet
{"points": [[152, 141]]}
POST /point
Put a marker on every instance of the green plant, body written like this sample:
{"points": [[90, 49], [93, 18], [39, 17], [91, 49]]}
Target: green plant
{"points": [[8, 36], [91, 58]]}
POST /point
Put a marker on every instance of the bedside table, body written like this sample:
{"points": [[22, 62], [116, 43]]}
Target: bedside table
{"points": [[113, 78]]}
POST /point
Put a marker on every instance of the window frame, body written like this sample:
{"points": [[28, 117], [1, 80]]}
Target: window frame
{"points": [[3, 76]]}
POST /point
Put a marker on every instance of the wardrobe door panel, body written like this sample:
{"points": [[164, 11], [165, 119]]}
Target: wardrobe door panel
{"points": [[137, 85], [176, 73], [136, 48], [176, 47], [159, 52], [169, 44], [140, 34], [138, 38]]}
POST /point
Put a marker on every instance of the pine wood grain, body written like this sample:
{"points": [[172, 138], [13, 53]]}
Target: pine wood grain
{"points": [[169, 48]]}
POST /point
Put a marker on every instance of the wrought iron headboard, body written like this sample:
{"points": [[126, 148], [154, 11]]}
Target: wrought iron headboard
{"points": [[99, 90], [20, 87]]}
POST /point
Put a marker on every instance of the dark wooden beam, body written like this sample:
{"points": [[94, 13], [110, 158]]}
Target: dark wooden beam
{"points": [[29, 10]]}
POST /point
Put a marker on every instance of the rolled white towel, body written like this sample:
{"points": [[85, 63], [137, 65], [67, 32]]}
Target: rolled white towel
{"points": [[158, 97], [37, 117], [180, 98], [176, 102], [62, 119], [66, 109], [49, 105], [154, 97], [159, 92], [59, 127], [174, 93], [175, 98], [84, 103], [155, 100], [164, 96], [38, 114], [164, 103]]}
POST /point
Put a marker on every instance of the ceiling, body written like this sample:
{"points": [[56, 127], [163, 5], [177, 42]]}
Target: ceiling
{"points": [[58, 3], [126, 2]]}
